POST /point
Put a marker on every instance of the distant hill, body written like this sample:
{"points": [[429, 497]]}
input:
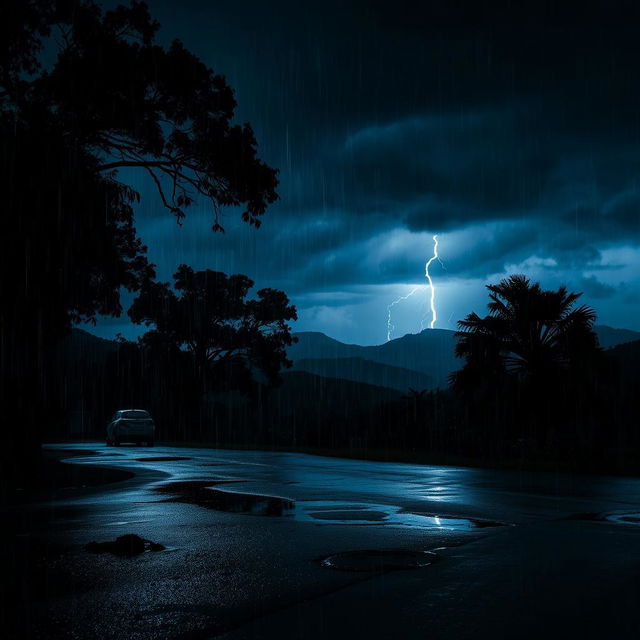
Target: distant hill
{"points": [[80, 345], [301, 390], [366, 371], [610, 337], [85, 358], [314, 344], [421, 361], [430, 352]]}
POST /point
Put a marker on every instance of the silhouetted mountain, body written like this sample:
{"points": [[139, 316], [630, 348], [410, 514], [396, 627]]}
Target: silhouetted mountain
{"points": [[328, 375], [82, 346], [301, 390], [430, 352], [94, 389], [334, 413], [610, 337], [314, 344], [406, 352], [366, 371]]}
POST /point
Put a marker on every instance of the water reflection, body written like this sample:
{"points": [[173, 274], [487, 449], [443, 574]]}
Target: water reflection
{"points": [[217, 494], [420, 492], [358, 514], [624, 518]]}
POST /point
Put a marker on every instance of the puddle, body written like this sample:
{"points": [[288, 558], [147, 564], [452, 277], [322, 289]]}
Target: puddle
{"points": [[211, 494], [161, 459], [334, 512], [623, 518], [379, 560], [206, 493]]}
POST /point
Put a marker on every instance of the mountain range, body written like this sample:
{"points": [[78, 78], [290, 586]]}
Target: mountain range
{"points": [[394, 363], [328, 377], [420, 361]]}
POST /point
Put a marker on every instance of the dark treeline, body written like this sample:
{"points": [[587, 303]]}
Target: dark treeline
{"points": [[85, 92], [567, 428]]}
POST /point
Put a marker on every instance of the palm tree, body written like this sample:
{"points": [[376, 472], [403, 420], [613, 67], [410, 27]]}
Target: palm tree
{"points": [[530, 334]]}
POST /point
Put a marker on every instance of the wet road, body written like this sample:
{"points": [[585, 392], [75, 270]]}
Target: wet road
{"points": [[247, 533]]}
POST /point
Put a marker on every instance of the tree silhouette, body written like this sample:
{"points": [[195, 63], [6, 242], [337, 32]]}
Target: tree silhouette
{"points": [[230, 337], [83, 94], [530, 333], [109, 98], [529, 364], [129, 102]]}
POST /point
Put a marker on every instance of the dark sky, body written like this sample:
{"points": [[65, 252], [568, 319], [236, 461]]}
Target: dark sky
{"points": [[510, 129]]}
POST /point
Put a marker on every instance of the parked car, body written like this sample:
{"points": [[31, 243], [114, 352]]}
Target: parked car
{"points": [[131, 425]]}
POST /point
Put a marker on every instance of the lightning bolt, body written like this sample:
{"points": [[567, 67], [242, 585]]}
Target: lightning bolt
{"points": [[432, 297], [390, 326], [432, 300]]}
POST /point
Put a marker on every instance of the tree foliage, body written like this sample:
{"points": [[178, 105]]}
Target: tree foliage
{"points": [[85, 93], [209, 314], [533, 371], [529, 333], [130, 102]]}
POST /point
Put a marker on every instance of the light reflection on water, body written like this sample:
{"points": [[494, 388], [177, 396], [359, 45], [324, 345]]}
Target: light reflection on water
{"points": [[624, 518], [420, 492], [222, 497], [349, 513]]}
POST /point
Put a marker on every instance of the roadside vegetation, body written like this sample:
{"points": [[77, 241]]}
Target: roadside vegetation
{"points": [[85, 94], [534, 390]]}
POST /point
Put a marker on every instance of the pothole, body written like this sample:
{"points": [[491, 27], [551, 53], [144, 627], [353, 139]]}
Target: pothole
{"points": [[379, 560]]}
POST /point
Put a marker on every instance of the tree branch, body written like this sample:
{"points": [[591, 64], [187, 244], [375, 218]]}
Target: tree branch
{"points": [[169, 206], [135, 163]]}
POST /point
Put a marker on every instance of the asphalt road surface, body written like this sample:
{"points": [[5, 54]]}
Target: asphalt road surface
{"points": [[283, 545]]}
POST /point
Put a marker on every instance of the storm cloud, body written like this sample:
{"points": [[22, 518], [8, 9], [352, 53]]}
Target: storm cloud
{"points": [[512, 130]]}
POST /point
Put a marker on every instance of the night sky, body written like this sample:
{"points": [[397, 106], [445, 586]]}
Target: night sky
{"points": [[511, 132]]}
